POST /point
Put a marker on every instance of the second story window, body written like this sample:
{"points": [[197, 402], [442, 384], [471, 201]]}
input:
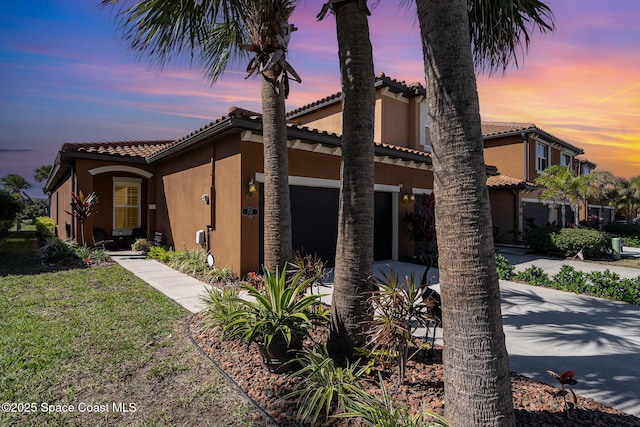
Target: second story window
{"points": [[542, 157], [565, 160]]}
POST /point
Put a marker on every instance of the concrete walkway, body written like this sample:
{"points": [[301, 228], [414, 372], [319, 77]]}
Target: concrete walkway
{"points": [[545, 329]]}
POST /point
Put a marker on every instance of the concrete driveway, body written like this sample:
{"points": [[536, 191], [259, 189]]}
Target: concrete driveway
{"points": [[553, 330]]}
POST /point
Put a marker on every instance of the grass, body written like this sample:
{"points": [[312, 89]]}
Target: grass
{"points": [[100, 336]]}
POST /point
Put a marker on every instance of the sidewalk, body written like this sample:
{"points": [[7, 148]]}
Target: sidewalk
{"points": [[545, 329]]}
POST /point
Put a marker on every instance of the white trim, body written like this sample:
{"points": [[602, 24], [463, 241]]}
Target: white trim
{"points": [[387, 188], [120, 168], [416, 190], [127, 179], [547, 158]]}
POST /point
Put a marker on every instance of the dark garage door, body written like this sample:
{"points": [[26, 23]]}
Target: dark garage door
{"points": [[314, 222]]}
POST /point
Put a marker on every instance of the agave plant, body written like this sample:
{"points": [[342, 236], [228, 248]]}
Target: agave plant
{"points": [[280, 310]]}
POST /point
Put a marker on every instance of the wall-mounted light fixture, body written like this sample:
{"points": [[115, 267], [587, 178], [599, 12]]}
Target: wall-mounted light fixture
{"points": [[252, 188], [205, 198], [406, 198]]}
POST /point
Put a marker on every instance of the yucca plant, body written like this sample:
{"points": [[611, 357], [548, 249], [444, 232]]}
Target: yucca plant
{"points": [[384, 411], [324, 387], [280, 309], [221, 306], [189, 260]]}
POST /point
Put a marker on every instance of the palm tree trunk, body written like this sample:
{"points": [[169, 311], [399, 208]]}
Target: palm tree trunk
{"points": [[277, 205], [354, 249], [476, 366]]}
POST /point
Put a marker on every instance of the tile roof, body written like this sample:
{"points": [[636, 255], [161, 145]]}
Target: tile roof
{"points": [[499, 128], [409, 90], [505, 181], [140, 149]]}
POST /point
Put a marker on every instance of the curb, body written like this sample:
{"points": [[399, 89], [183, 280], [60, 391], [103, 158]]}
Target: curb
{"points": [[227, 377]]}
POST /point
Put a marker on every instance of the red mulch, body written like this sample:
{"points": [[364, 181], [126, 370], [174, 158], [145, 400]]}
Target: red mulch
{"points": [[536, 404]]}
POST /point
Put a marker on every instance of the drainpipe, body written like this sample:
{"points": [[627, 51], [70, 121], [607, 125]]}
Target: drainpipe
{"points": [[73, 190], [516, 215], [212, 199], [525, 141]]}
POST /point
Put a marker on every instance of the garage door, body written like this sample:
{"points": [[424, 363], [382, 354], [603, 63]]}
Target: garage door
{"points": [[314, 222]]}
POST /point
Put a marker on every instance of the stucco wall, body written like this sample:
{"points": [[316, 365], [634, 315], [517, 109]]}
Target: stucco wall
{"points": [[180, 211], [60, 203], [507, 154]]}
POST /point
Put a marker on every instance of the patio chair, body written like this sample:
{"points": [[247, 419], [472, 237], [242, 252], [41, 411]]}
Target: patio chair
{"points": [[100, 238]]}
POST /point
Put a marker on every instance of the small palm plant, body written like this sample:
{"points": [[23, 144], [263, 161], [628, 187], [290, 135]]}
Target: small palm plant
{"points": [[82, 208], [399, 309]]}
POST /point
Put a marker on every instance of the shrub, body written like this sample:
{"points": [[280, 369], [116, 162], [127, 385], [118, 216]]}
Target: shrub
{"points": [[386, 411], [533, 275], [190, 261], [161, 253], [632, 242], [59, 252], [323, 386], [141, 245], [623, 229], [567, 242], [221, 306], [602, 284], [504, 268], [219, 274], [539, 239], [592, 243], [45, 226]]}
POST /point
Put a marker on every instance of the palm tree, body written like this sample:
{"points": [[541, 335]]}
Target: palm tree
{"points": [[476, 367], [354, 249], [14, 183], [560, 186], [626, 194], [42, 173], [218, 32]]}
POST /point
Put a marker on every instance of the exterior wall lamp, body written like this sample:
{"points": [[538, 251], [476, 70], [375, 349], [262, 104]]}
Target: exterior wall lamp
{"points": [[406, 198], [252, 188]]}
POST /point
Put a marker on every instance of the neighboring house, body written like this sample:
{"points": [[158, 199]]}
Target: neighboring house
{"points": [[197, 190], [523, 151]]}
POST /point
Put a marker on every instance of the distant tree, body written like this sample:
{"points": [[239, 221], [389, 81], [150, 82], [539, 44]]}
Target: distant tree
{"points": [[10, 208], [560, 186], [42, 173], [14, 183]]}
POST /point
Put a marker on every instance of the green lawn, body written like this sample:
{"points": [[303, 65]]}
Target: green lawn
{"points": [[99, 338]]}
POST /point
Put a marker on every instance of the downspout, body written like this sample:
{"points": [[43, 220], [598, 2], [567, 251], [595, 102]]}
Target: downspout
{"points": [[212, 198], [516, 216], [525, 141], [73, 190]]}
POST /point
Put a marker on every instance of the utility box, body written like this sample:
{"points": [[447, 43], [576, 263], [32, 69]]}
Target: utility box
{"points": [[616, 244], [200, 237]]}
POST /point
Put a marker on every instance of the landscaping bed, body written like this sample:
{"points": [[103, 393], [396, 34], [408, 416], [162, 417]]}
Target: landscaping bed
{"points": [[536, 403]]}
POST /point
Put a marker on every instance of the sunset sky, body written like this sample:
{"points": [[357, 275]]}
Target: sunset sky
{"points": [[67, 76]]}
